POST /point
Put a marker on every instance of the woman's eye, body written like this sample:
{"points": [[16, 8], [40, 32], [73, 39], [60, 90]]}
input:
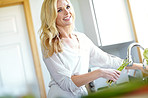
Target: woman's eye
{"points": [[59, 10], [68, 7]]}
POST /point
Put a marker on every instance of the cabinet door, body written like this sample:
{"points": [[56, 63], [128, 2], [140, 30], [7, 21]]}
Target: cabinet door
{"points": [[113, 21]]}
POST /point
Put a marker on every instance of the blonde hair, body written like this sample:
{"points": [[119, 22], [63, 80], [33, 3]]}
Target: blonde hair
{"points": [[50, 40]]}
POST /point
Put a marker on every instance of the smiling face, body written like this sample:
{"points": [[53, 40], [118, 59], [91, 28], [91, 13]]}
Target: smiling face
{"points": [[64, 14]]}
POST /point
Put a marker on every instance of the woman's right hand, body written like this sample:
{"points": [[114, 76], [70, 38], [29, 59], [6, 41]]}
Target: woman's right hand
{"points": [[83, 79], [110, 74]]}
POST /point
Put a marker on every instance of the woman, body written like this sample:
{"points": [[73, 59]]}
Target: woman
{"points": [[68, 54]]}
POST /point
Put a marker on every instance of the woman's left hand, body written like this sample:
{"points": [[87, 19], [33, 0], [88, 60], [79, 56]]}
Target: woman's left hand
{"points": [[138, 66]]}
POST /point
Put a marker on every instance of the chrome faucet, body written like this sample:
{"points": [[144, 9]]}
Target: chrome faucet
{"points": [[129, 55]]}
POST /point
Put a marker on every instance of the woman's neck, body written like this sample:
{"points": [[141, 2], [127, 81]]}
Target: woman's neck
{"points": [[65, 32]]}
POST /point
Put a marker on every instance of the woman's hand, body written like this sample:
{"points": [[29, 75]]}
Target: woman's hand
{"points": [[138, 66], [110, 74], [135, 66]]}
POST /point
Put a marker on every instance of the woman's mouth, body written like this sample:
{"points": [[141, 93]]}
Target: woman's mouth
{"points": [[67, 18]]}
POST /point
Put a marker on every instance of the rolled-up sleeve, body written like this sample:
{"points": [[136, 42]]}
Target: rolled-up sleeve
{"points": [[60, 74]]}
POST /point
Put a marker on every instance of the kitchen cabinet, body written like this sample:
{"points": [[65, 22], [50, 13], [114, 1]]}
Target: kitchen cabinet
{"points": [[105, 22]]}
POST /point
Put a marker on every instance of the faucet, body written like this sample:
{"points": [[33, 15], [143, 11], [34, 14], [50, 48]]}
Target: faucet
{"points": [[129, 55]]}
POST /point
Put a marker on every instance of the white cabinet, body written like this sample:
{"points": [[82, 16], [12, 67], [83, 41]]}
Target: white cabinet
{"points": [[105, 22], [113, 21]]}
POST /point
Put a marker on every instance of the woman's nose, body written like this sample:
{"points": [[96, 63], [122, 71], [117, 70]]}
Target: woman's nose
{"points": [[66, 11]]}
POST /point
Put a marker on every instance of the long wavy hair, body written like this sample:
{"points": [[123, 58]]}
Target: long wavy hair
{"points": [[50, 40]]}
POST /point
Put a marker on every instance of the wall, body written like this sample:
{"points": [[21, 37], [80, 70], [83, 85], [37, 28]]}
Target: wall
{"points": [[139, 11], [78, 22], [35, 10]]}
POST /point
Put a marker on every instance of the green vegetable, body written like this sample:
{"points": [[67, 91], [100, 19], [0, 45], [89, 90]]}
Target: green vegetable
{"points": [[121, 90], [125, 63], [145, 54]]}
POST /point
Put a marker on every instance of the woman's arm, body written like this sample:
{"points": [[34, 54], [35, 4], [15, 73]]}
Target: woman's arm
{"points": [[60, 74], [138, 66], [135, 66], [100, 58], [63, 77], [83, 79]]}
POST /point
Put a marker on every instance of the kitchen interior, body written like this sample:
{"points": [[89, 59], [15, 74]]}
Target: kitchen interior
{"points": [[116, 24], [112, 25]]}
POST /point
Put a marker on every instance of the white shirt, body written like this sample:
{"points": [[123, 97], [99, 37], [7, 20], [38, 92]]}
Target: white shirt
{"points": [[63, 65]]}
